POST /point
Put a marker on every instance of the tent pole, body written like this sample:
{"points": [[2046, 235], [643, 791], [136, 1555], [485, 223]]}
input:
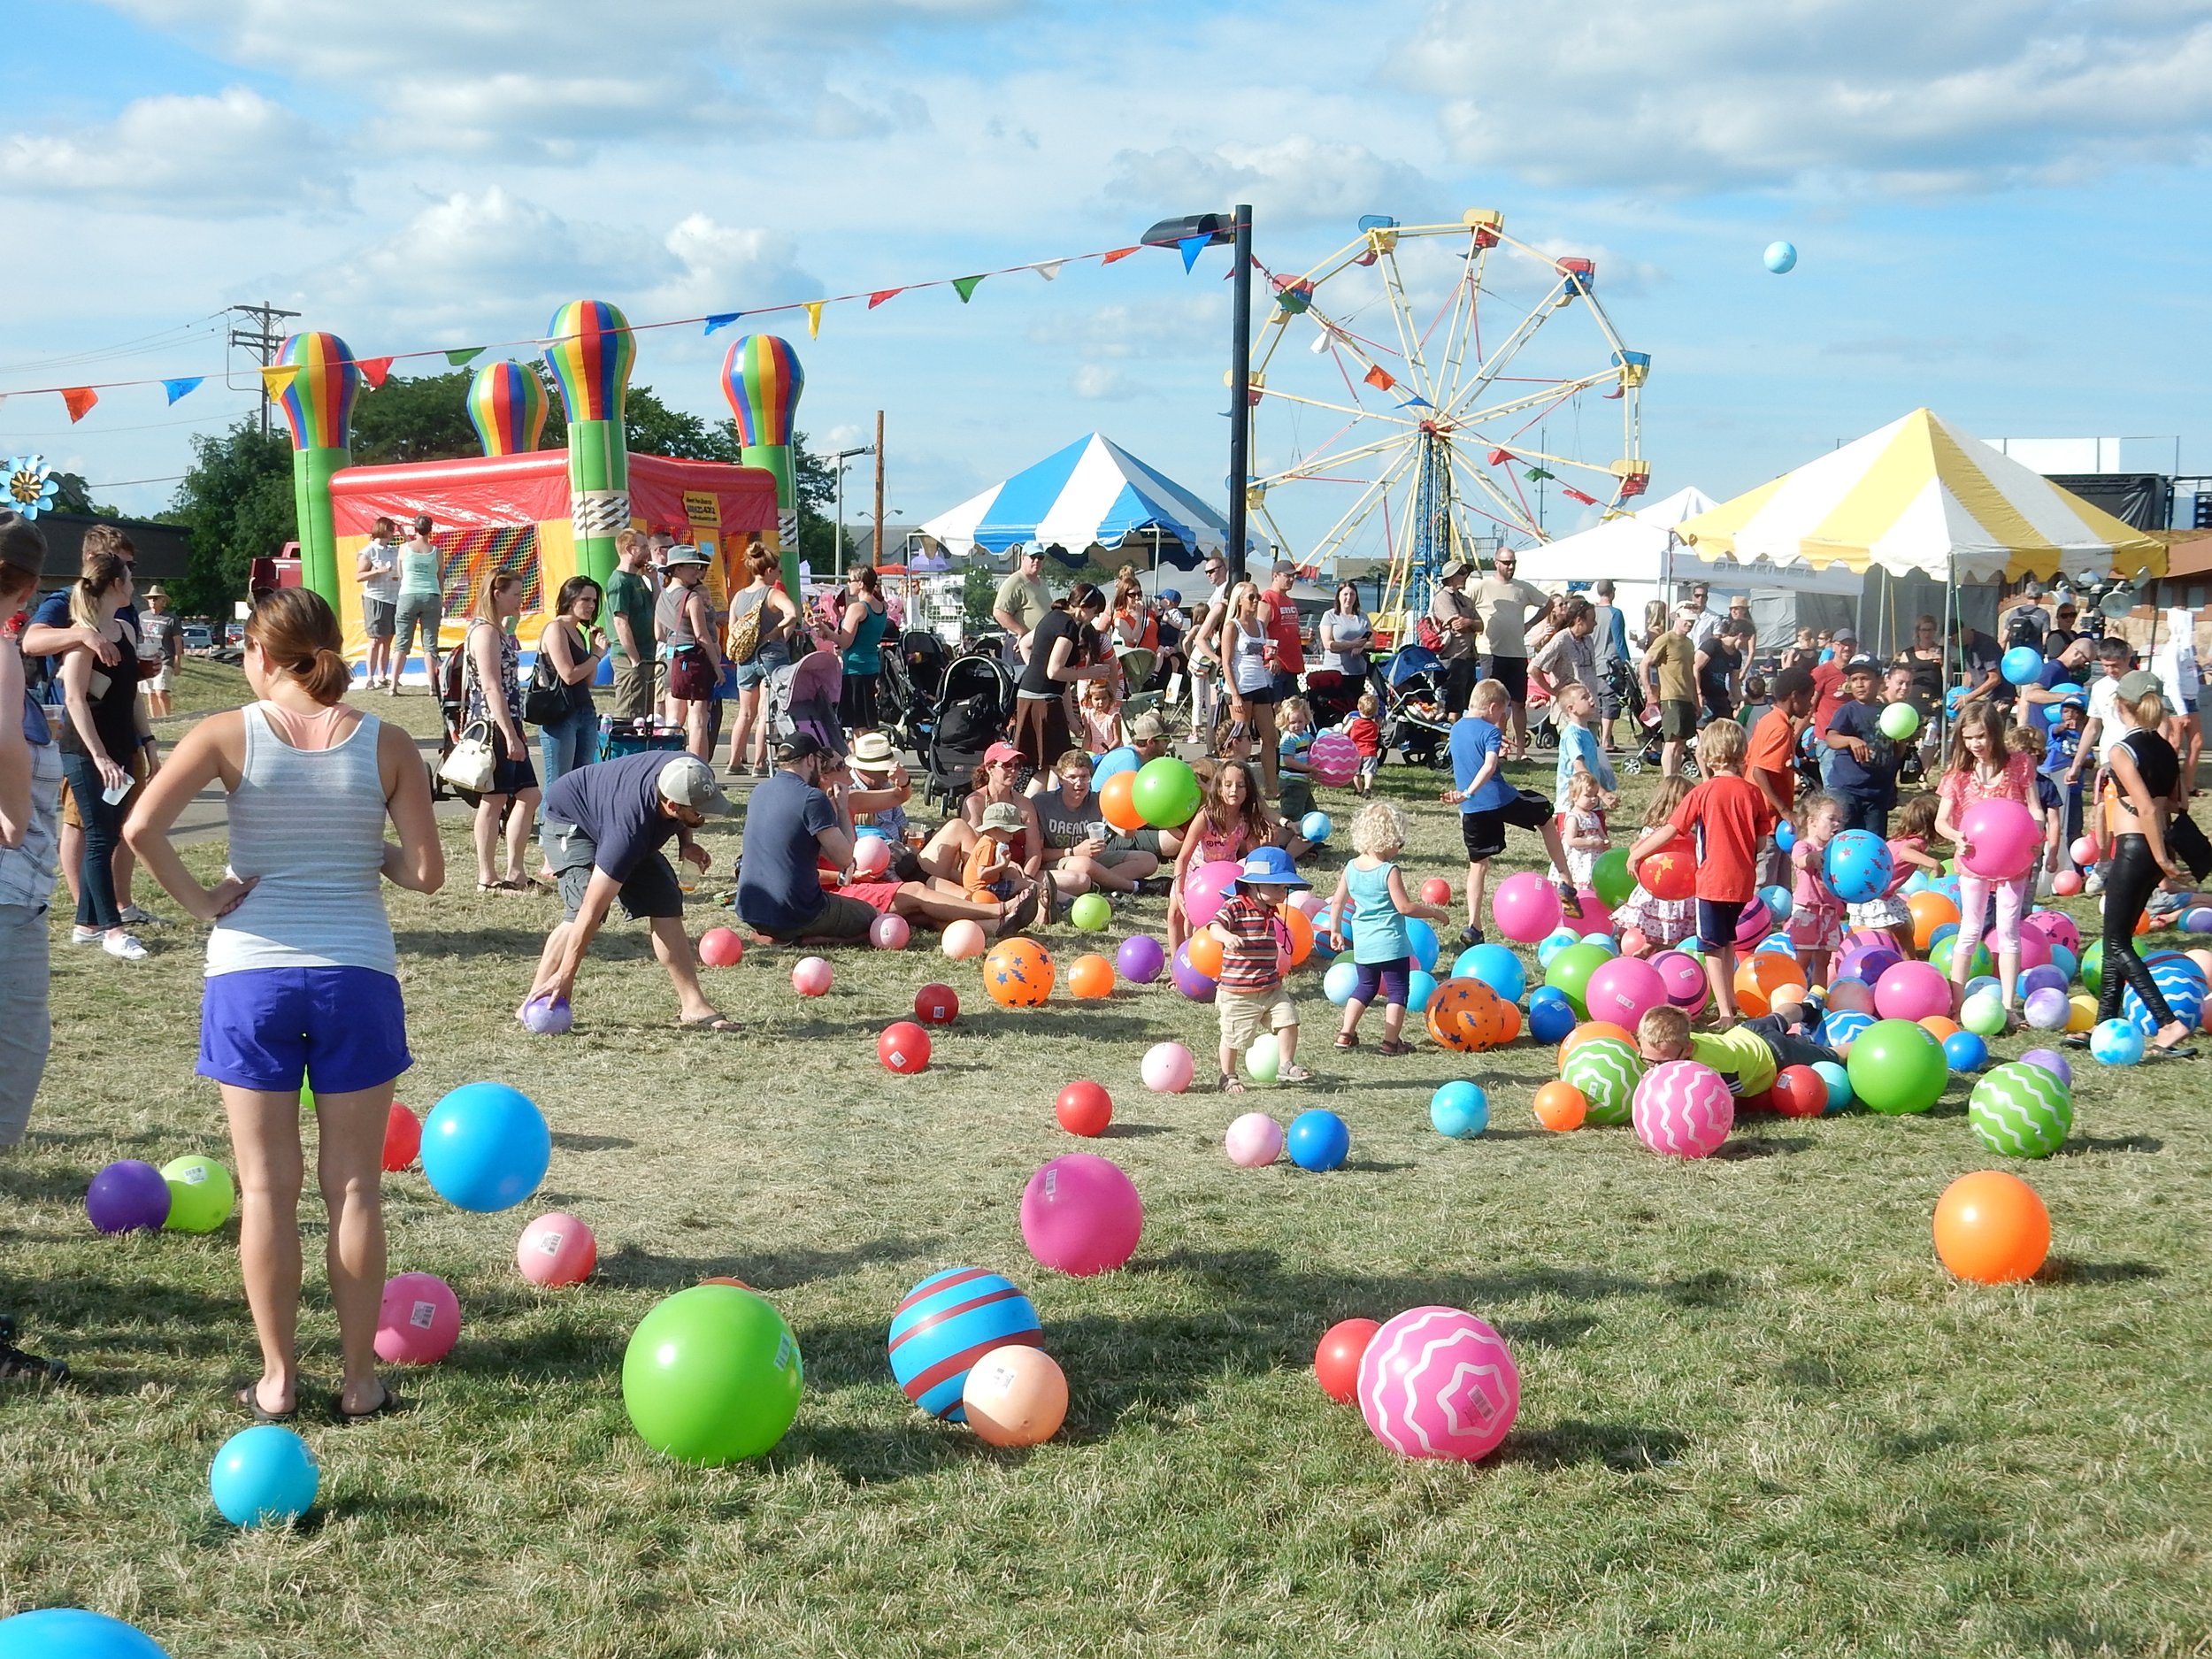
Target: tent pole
{"points": [[1950, 641]]}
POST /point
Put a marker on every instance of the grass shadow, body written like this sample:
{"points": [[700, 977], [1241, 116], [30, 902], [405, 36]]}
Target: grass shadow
{"points": [[568, 1142], [1124, 1131], [2082, 1145], [2065, 1270], [1741, 1148], [764, 1271], [1627, 1447]]}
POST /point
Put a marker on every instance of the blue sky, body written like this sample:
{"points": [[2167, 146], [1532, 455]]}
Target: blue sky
{"points": [[2000, 206]]}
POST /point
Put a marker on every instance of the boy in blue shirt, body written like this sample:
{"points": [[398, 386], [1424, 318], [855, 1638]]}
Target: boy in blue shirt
{"points": [[1863, 762], [1487, 803]]}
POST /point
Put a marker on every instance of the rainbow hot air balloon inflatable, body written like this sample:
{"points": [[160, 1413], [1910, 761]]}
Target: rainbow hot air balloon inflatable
{"points": [[507, 406], [318, 403], [762, 377], [591, 350]]}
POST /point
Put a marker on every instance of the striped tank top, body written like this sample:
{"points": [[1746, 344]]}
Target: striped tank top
{"points": [[310, 823]]}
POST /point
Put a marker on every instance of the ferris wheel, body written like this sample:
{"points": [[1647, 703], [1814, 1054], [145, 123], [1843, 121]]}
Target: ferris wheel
{"points": [[1461, 390]]}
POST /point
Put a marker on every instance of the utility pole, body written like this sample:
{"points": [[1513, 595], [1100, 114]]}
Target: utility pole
{"points": [[1234, 230], [837, 550], [264, 341], [879, 557]]}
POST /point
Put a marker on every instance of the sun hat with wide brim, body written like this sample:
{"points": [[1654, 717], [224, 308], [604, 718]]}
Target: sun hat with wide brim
{"points": [[1270, 867]]}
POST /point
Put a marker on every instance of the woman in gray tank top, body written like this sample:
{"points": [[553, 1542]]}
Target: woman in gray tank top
{"points": [[301, 982]]}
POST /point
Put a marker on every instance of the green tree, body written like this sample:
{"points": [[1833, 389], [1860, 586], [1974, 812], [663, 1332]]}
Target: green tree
{"points": [[237, 501], [978, 589], [75, 496], [414, 418]]}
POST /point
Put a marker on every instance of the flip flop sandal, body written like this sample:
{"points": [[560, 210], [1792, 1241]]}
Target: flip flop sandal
{"points": [[2180, 1051], [713, 1022], [1294, 1074], [250, 1397], [390, 1403], [1350, 1039]]}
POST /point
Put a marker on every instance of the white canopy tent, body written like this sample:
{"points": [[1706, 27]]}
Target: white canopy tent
{"points": [[1644, 558]]}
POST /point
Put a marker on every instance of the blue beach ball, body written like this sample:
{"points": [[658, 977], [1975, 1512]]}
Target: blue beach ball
{"points": [[947, 1323], [263, 1475], [1780, 258], [1317, 1140], [1459, 1110], [485, 1146]]}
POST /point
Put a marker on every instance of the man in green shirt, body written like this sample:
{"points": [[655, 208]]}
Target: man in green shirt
{"points": [[1671, 671], [1022, 600], [630, 625]]}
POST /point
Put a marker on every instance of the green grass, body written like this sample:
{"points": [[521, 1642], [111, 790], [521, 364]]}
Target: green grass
{"points": [[1756, 1418]]}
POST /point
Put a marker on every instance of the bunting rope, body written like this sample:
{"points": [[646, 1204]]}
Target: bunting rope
{"points": [[275, 377]]}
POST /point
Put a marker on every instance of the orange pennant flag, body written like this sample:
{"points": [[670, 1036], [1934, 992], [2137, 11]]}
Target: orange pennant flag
{"points": [[81, 400], [1379, 377], [1119, 253]]}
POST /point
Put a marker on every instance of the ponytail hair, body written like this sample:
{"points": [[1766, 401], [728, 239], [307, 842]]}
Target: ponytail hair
{"points": [[298, 634], [103, 569]]}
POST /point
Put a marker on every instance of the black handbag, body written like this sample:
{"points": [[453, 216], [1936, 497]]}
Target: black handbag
{"points": [[545, 700]]}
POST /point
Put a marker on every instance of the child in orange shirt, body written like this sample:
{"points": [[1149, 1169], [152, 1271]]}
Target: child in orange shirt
{"points": [[1726, 815], [991, 873]]}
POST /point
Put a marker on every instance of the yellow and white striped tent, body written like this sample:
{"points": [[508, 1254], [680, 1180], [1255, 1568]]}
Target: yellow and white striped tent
{"points": [[1920, 495]]}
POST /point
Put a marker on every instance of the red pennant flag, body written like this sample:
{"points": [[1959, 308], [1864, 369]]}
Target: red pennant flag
{"points": [[881, 295], [374, 369], [1572, 493], [1379, 377], [1500, 458], [81, 400], [1119, 253]]}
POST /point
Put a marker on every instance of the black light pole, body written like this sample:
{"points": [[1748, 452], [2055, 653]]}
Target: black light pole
{"points": [[1235, 229]]}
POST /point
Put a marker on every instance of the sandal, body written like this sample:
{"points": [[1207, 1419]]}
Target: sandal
{"points": [[1394, 1047], [711, 1022], [389, 1403], [2178, 1051], [1294, 1074], [1231, 1084], [250, 1397], [1350, 1039]]}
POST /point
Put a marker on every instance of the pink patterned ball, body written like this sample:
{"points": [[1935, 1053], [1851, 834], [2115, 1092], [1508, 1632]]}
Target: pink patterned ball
{"points": [[1683, 1109], [2056, 926], [1436, 1382], [1333, 758], [1683, 976]]}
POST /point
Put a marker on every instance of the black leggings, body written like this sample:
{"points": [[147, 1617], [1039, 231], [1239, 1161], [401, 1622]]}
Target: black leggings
{"points": [[2128, 886]]}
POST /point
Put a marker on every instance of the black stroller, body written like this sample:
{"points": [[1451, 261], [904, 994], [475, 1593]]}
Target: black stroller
{"points": [[911, 681], [1332, 696], [975, 709], [1411, 681]]}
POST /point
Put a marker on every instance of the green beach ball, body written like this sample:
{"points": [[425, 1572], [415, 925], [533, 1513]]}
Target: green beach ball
{"points": [[711, 1376], [1898, 721], [1896, 1067], [2021, 1110], [1091, 913], [1570, 973], [1612, 880], [201, 1196], [1606, 1070]]}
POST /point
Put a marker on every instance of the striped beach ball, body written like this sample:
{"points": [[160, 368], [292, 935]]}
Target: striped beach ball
{"points": [[1436, 1382], [1606, 1070], [2021, 1110], [1683, 1109], [1842, 1028], [946, 1323], [2180, 982]]}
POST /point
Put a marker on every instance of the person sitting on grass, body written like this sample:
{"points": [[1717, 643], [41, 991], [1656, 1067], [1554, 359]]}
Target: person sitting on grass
{"points": [[1487, 803], [796, 824], [1294, 720], [605, 824], [1081, 851], [991, 873], [1749, 1056], [1251, 1000], [1725, 816], [1887, 912], [1382, 949]]}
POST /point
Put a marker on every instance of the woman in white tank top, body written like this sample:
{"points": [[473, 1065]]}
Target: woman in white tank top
{"points": [[301, 973]]}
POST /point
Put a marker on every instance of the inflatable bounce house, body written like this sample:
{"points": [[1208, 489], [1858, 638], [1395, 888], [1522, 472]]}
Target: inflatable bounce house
{"points": [[548, 515]]}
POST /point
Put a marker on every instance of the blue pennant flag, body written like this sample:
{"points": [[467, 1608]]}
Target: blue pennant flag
{"points": [[722, 319], [1417, 402], [180, 388], [1192, 247]]}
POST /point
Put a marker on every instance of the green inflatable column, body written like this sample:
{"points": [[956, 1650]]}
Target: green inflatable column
{"points": [[762, 377], [318, 403], [592, 350]]}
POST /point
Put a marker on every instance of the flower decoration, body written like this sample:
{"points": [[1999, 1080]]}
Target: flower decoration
{"points": [[30, 486]]}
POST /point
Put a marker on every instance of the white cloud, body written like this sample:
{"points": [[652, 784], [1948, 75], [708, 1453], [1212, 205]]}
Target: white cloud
{"points": [[1297, 179], [1170, 327], [1097, 383], [235, 153], [722, 268], [1705, 94]]}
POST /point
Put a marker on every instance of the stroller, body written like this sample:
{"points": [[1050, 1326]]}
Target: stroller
{"points": [[975, 707], [802, 696], [1332, 696], [1410, 682], [911, 681]]}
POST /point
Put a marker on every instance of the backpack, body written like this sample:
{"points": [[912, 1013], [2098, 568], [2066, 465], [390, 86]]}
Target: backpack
{"points": [[453, 676], [2023, 629]]}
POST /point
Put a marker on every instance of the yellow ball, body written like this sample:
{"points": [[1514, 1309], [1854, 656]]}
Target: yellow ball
{"points": [[2081, 1011]]}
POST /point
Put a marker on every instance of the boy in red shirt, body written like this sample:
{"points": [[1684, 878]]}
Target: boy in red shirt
{"points": [[1727, 815], [1366, 735]]}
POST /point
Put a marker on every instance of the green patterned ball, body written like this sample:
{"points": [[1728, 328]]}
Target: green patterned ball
{"points": [[1606, 1070], [2021, 1110]]}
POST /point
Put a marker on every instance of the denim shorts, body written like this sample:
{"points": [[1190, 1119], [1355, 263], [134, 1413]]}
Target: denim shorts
{"points": [[343, 1028]]}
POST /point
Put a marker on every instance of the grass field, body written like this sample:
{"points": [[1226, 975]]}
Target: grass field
{"points": [[1757, 1417]]}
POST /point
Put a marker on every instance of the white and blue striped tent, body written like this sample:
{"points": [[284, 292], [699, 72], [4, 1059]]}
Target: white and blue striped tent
{"points": [[1094, 491]]}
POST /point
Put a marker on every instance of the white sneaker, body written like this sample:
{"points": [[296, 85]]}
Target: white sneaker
{"points": [[2095, 883], [139, 916], [87, 935], [123, 945]]}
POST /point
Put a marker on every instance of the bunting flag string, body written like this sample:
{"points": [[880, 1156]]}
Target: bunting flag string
{"points": [[277, 377]]}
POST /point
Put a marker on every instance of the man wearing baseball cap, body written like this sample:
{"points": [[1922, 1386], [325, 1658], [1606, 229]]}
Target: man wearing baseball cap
{"points": [[606, 825]]}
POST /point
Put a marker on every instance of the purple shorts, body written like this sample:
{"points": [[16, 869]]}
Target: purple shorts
{"points": [[1392, 979], [341, 1028]]}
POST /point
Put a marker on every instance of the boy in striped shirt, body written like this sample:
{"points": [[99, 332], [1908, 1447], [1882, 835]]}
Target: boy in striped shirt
{"points": [[1251, 1000]]}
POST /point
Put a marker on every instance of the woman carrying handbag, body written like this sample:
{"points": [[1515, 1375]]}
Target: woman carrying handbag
{"points": [[494, 684]]}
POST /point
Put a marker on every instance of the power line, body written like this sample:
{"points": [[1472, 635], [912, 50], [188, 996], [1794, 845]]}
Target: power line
{"points": [[265, 340]]}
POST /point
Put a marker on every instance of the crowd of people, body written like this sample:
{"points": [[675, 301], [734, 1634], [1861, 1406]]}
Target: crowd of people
{"points": [[326, 803]]}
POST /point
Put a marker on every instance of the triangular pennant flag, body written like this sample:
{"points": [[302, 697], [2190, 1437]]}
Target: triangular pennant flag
{"points": [[182, 388], [965, 286], [1192, 246], [462, 356], [1500, 457], [722, 319], [1417, 402], [81, 400], [1119, 253], [1049, 269], [374, 369], [277, 379], [881, 295], [1322, 342], [1536, 475], [1572, 493], [1379, 377], [814, 319], [1614, 395]]}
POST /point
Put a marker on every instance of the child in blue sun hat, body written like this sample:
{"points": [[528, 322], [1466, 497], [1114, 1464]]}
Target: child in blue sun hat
{"points": [[1255, 942]]}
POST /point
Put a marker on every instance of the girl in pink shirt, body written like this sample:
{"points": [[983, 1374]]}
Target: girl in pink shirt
{"points": [[1980, 770]]}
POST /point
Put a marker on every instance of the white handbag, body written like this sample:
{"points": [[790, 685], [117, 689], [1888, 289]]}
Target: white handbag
{"points": [[470, 764]]}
